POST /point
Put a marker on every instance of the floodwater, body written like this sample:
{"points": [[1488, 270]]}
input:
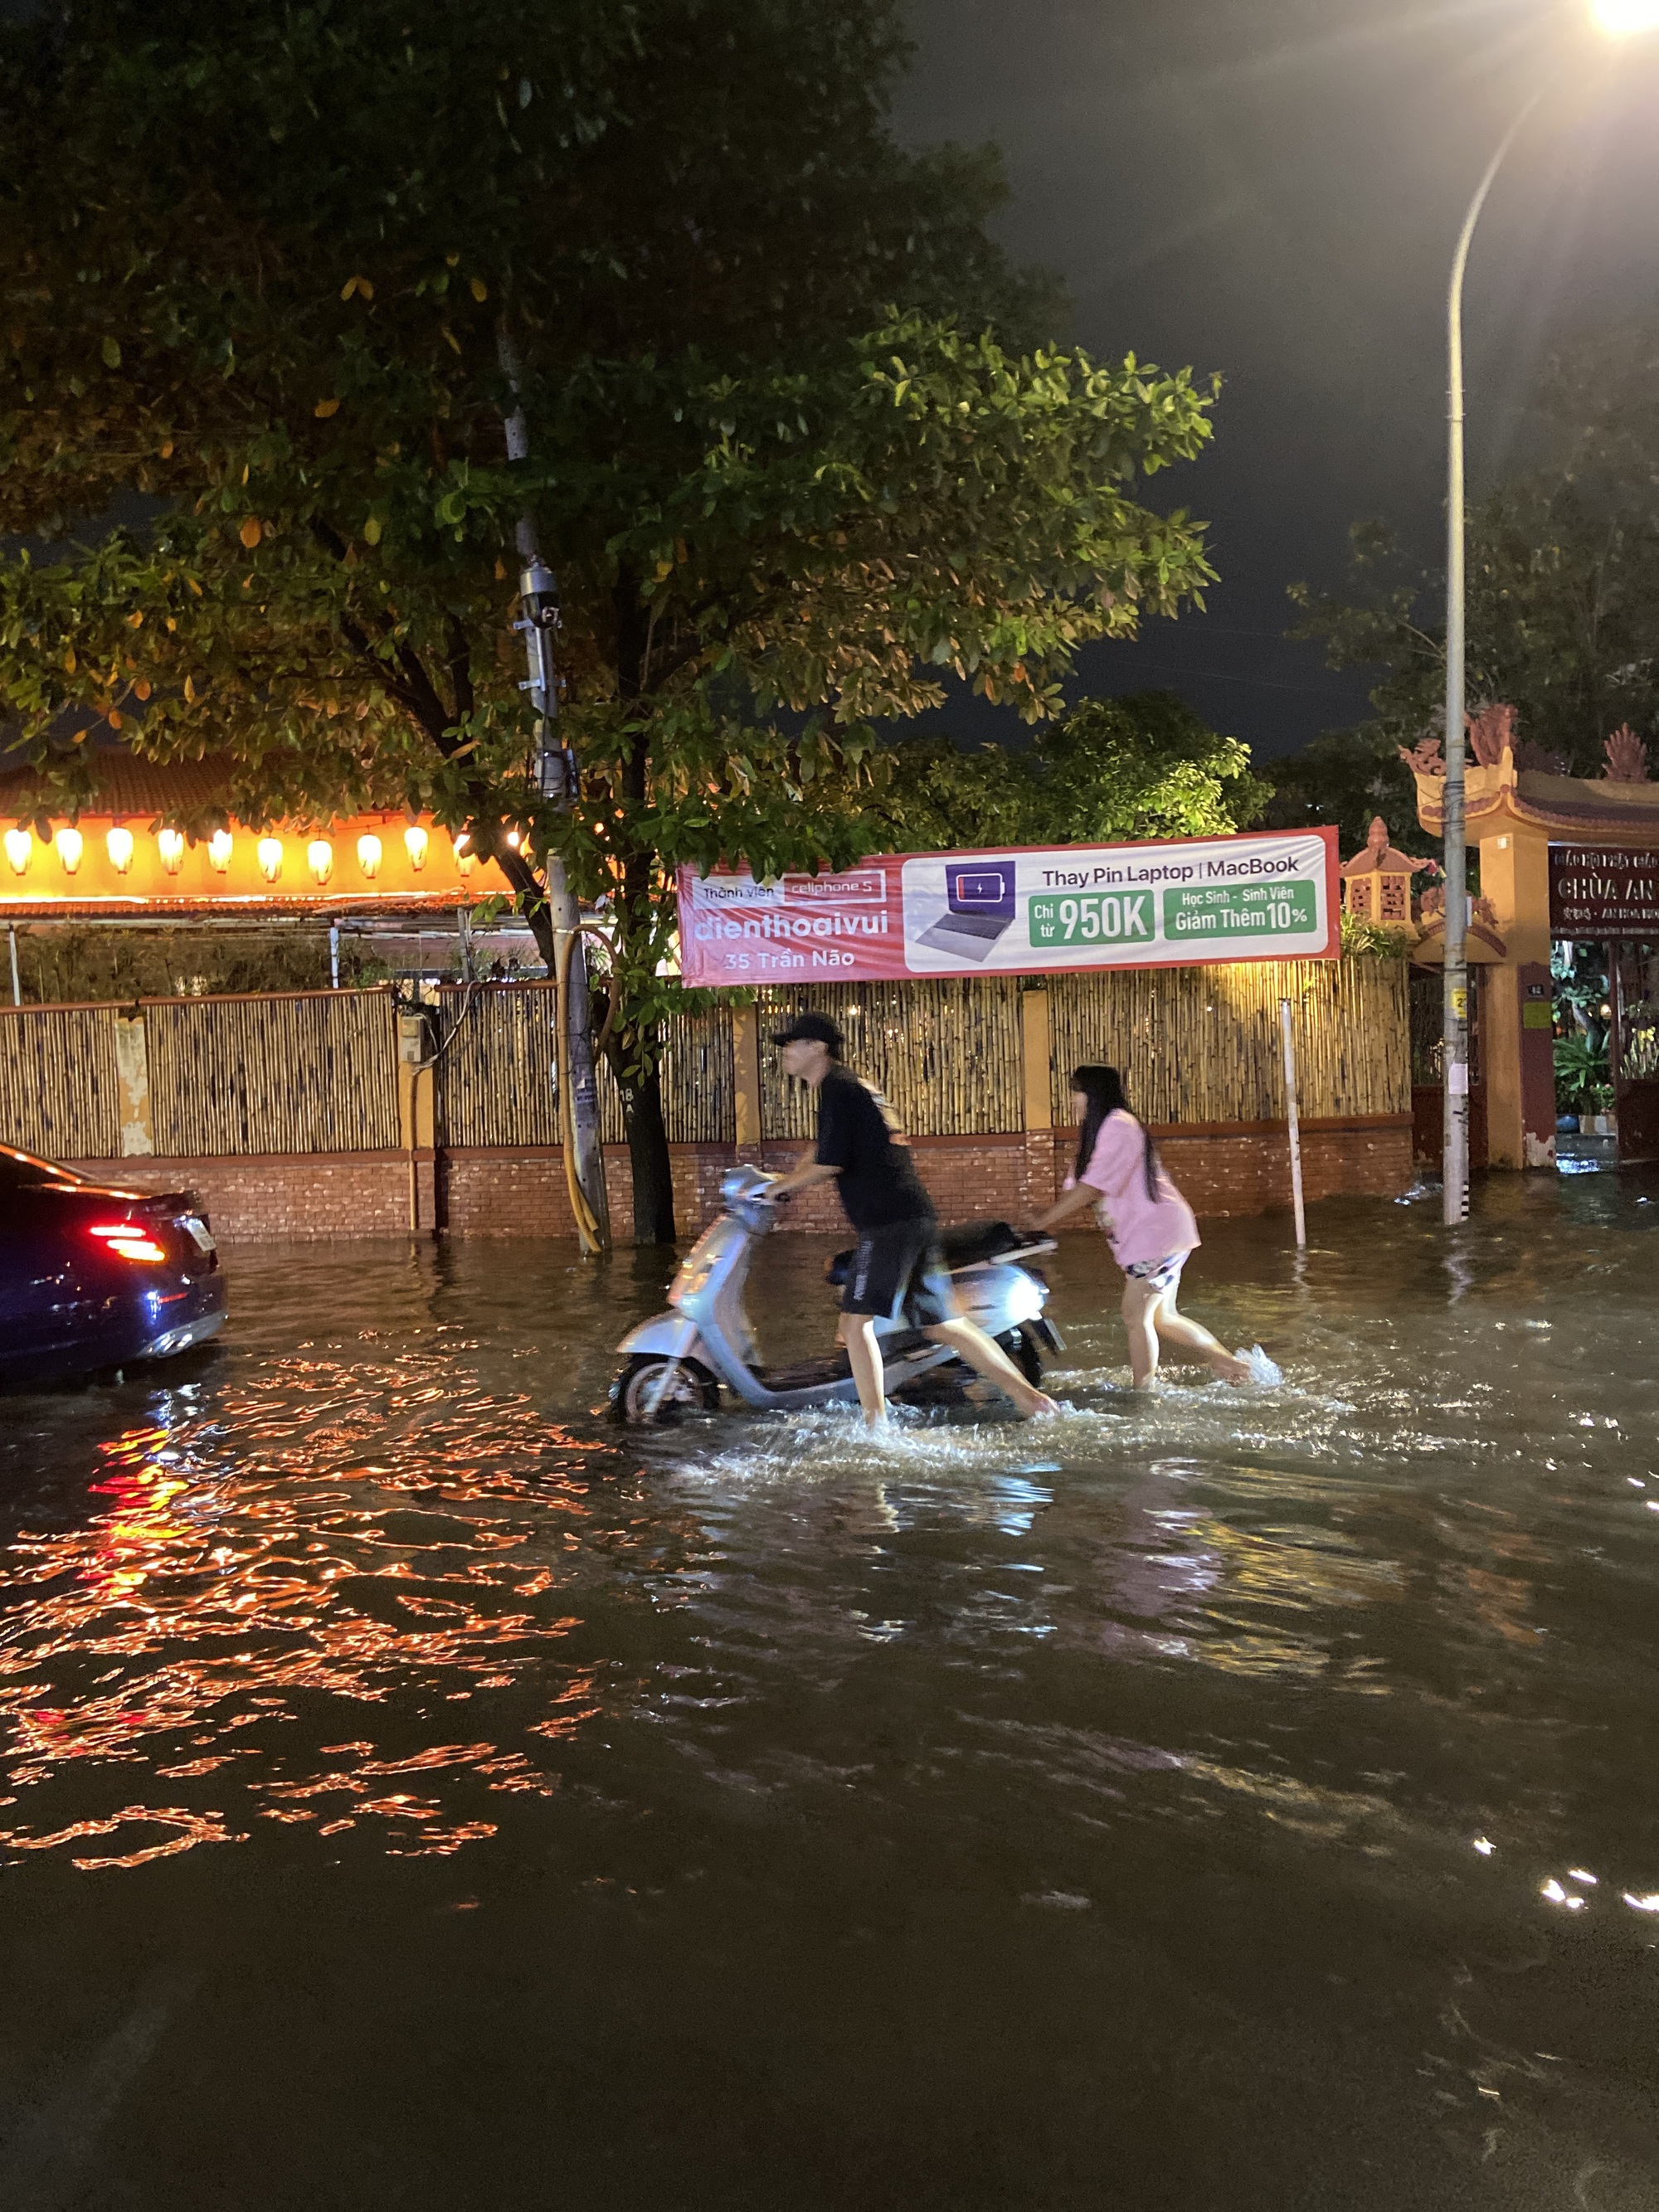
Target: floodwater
{"points": [[416, 1794]]}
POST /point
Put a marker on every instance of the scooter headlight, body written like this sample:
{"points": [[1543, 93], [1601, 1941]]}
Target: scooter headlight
{"points": [[744, 1182], [692, 1277], [1025, 1299]]}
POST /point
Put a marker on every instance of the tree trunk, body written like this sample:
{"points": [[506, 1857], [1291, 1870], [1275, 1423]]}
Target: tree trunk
{"points": [[648, 1152]]}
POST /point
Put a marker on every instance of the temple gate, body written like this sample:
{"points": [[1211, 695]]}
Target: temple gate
{"points": [[1563, 858]]}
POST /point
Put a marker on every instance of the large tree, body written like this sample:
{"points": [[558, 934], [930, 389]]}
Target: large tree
{"points": [[1347, 778], [1563, 599], [1144, 766], [276, 306]]}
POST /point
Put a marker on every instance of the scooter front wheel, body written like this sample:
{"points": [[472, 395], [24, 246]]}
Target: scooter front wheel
{"points": [[654, 1392]]}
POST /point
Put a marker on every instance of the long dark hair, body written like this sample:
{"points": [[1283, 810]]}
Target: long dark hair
{"points": [[1103, 1088]]}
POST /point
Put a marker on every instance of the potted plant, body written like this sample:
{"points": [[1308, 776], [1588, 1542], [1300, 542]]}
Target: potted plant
{"points": [[1581, 1078]]}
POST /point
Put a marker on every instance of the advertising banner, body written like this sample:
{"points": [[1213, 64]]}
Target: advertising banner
{"points": [[1595, 893], [1189, 903]]}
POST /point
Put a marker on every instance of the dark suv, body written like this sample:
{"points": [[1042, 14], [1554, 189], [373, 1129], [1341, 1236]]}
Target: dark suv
{"points": [[93, 1276]]}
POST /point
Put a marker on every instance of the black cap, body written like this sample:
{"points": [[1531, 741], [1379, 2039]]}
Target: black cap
{"points": [[810, 1028]]}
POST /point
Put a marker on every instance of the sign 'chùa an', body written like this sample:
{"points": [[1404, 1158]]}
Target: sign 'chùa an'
{"points": [[1187, 902], [1598, 892]]}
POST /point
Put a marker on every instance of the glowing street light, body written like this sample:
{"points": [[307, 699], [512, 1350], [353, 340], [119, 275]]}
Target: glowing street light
{"points": [[1625, 19]]}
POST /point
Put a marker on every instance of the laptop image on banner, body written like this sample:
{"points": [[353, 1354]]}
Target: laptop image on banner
{"points": [[980, 908]]}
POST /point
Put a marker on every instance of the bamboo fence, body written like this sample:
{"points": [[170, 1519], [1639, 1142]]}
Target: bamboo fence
{"points": [[317, 1072], [495, 1074], [699, 1086], [304, 1072], [1202, 1044], [59, 1092], [946, 1056]]}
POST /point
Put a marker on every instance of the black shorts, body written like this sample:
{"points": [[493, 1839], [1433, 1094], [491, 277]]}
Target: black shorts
{"points": [[898, 1274]]}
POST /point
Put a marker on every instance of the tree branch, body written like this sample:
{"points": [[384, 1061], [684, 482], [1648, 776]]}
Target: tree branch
{"points": [[460, 667], [434, 719], [358, 640], [417, 693]]}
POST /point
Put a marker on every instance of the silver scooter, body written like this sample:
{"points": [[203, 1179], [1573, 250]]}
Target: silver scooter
{"points": [[677, 1362]]}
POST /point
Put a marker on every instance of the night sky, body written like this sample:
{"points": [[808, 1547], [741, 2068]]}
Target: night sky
{"points": [[1272, 188]]}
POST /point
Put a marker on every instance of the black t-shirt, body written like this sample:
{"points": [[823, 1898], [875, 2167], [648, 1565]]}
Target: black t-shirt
{"points": [[858, 1134]]}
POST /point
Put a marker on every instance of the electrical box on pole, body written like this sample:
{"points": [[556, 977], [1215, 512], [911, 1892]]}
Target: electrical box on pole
{"points": [[555, 775]]}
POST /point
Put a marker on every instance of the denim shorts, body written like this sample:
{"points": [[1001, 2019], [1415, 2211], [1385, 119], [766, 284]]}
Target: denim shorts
{"points": [[1162, 1274]]}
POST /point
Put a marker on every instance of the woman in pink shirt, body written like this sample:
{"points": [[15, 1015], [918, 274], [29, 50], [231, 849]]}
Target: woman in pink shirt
{"points": [[1149, 1224]]}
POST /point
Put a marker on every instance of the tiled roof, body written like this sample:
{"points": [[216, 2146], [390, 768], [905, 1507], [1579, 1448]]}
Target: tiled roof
{"points": [[126, 788]]}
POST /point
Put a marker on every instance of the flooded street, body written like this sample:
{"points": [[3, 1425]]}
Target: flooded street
{"points": [[418, 1793]]}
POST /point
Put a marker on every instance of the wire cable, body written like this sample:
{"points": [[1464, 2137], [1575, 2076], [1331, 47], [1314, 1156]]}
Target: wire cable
{"points": [[589, 1229]]}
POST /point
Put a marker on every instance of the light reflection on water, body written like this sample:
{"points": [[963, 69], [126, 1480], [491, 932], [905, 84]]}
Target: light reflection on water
{"points": [[244, 1572], [1367, 1660]]}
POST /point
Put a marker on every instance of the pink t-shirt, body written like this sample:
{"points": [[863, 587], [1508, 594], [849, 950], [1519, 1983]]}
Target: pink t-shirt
{"points": [[1138, 1227]]}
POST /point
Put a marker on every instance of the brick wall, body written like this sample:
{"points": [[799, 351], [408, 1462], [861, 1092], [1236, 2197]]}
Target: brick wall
{"points": [[312, 1195], [1250, 1172], [522, 1193], [983, 1178]]}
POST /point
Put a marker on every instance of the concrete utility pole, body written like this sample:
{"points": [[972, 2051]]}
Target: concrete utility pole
{"points": [[555, 778]]}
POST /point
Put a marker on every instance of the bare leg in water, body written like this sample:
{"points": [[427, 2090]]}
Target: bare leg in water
{"points": [[970, 1343], [857, 1333], [1148, 1315]]}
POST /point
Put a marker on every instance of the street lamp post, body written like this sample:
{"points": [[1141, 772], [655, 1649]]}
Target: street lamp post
{"points": [[1455, 1071]]}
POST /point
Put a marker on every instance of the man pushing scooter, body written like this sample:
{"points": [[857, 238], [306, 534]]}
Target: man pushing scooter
{"points": [[897, 1269]]}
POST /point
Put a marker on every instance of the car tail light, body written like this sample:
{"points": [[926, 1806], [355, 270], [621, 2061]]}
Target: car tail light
{"points": [[127, 1240]]}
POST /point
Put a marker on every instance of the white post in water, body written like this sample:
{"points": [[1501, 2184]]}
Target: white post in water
{"points": [[16, 984], [1295, 1124]]}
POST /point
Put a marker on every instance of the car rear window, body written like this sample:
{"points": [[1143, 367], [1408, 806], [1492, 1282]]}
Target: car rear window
{"points": [[22, 1171]]}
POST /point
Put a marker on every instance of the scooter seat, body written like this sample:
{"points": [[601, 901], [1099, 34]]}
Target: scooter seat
{"points": [[972, 1242], [969, 1245]]}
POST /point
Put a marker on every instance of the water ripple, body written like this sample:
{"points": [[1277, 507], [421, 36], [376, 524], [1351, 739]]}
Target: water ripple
{"points": [[1215, 1702]]}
